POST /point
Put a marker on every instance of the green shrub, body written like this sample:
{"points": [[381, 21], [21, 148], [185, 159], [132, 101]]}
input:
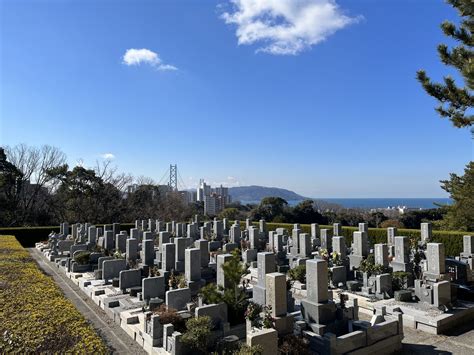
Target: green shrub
{"points": [[83, 257], [197, 333], [399, 279], [298, 274]]}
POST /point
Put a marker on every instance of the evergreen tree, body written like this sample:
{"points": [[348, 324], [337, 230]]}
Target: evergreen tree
{"points": [[10, 185], [456, 102], [460, 215]]}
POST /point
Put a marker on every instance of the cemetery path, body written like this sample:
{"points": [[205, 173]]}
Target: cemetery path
{"points": [[113, 335]]}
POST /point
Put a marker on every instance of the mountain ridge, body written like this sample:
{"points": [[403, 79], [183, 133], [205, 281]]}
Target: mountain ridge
{"points": [[257, 193]]}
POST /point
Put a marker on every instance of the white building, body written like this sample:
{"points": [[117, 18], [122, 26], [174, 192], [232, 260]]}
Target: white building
{"points": [[215, 199]]}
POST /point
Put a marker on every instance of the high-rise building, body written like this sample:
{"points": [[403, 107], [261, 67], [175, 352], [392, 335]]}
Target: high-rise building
{"points": [[215, 199]]}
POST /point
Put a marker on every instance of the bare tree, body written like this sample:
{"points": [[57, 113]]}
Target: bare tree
{"points": [[109, 175], [34, 163]]}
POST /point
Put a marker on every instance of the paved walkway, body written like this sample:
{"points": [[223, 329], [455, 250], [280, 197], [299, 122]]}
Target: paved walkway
{"points": [[117, 340]]}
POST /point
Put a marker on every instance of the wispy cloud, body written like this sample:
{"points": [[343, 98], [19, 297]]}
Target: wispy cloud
{"points": [[285, 27], [108, 156], [133, 57]]}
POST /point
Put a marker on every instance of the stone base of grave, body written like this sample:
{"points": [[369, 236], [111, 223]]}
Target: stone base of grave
{"points": [[195, 286], [266, 338], [321, 313], [284, 325], [428, 318], [259, 295], [354, 261], [365, 304], [179, 266], [405, 267]]}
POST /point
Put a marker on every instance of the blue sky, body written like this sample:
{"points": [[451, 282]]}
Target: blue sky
{"points": [[330, 109]]}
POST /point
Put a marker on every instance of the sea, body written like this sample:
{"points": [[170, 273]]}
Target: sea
{"points": [[382, 202]]}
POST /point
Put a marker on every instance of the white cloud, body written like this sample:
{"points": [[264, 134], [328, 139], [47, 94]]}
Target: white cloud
{"points": [[165, 67], [108, 156], [145, 56], [285, 27]]}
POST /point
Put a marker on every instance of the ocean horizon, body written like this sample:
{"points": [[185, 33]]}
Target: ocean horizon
{"points": [[380, 202]]}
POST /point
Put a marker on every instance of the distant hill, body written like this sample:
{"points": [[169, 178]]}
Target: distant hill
{"points": [[256, 193]]}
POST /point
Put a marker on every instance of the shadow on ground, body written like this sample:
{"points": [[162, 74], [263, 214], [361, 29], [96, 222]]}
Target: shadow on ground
{"points": [[421, 349]]}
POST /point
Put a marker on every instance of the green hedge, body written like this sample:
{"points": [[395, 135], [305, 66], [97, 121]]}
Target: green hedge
{"points": [[452, 241], [28, 236]]}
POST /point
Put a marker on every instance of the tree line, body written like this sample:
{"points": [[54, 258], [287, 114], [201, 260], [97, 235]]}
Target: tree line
{"points": [[38, 187]]}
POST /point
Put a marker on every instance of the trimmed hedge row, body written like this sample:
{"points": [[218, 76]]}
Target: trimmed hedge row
{"points": [[452, 240], [36, 317], [28, 236]]}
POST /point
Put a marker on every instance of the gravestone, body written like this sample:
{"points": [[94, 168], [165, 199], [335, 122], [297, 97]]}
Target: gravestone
{"points": [[203, 246], [276, 293], [265, 265], [339, 246], [192, 231], [391, 234], [148, 252], [149, 235], [316, 308], [271, 241], [248, 223], [441, 293], [135, 233], [364, 227], [131, 249], [278, 242], [402, 255], [262, 227], [435, 257], [218, 229], [234, 234], [180, 248], [249, 255], [383, 287], [130, 278], [92, 235], [295, 239], [120, 242], [64, 229], [164, 237], [426, 232], [109, 241], [153, 287], [178, 299], [116, 228], [112, 268], [168, 253], [254, 238], [337, 229], [326, 242], [314, 230], [221, 280], [468, 246], [192, 264], [360, 249], [305, 245], [381, 254]]}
